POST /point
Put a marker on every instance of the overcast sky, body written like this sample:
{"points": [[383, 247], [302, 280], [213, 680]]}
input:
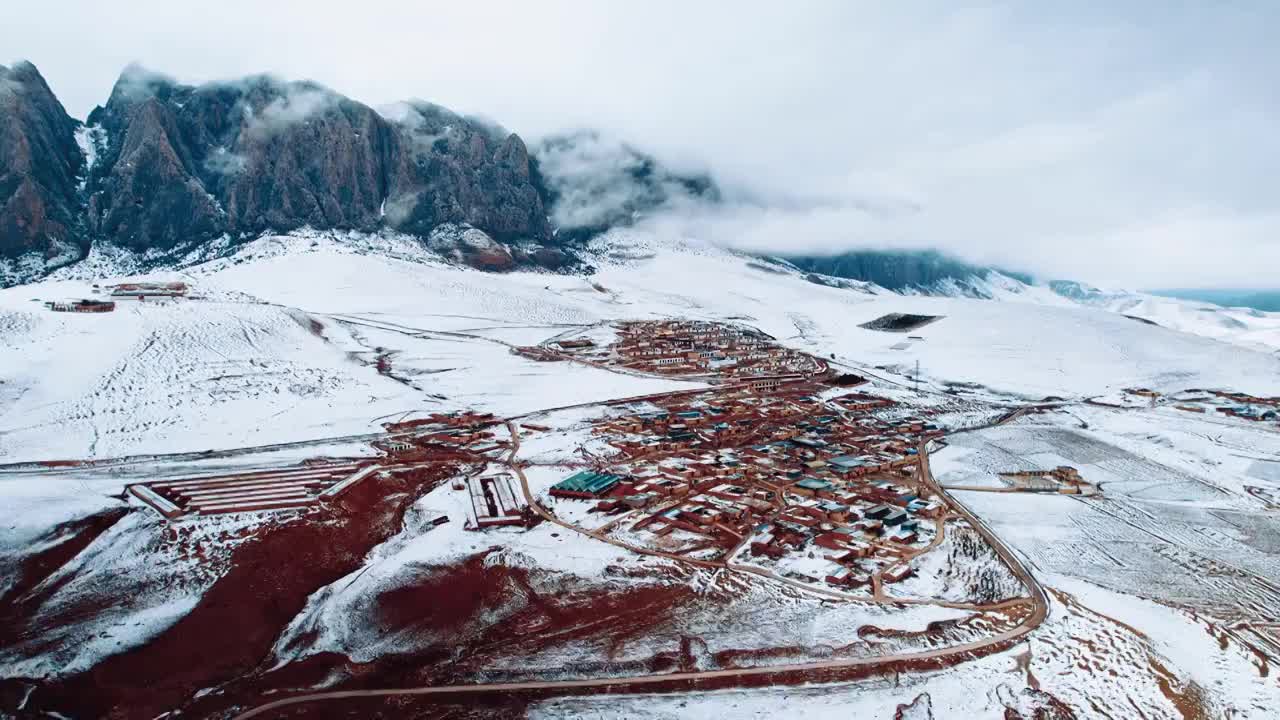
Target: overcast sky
{"points": [[1133, 146]]}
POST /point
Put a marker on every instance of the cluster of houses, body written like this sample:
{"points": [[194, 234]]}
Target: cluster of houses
{"points": [[121, 291], [1232, 404], [461, 436], [144, 290], [779, 475], [1063, 479], [1248, 407], [464, 437], [693, 347]]}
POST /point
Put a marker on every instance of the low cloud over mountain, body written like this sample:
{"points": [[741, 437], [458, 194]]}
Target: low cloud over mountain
{"points": [[163, 167], [1121, 145]]}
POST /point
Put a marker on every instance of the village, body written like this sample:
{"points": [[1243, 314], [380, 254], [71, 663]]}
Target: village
{"points": [[800, 480], [790, 470], [1226, 403], [685, 348]]}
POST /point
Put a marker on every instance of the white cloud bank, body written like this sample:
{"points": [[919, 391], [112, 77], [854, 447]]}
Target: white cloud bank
{"points": [[1131, 144]]}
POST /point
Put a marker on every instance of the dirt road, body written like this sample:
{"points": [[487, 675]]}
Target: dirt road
{"points": [[1038, 594]]}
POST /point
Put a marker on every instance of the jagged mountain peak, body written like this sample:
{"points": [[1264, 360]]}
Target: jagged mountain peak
{"points": [[426, 117], [178, 165], [20, 73], [175, 166], [420, 115], [40, 167], [136, 83]]}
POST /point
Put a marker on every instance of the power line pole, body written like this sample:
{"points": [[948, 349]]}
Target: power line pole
{"points": [[917, 376]]}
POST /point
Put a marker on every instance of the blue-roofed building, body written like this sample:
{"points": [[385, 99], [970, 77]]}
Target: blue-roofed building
{"points": [[585, 485]]}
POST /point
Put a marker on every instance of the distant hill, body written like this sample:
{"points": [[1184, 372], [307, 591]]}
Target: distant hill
{"points": [[927, 271], [1265, 300]]}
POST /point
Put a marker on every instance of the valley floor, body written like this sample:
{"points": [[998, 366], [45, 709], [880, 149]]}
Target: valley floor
{"points": [[1154, 598]]}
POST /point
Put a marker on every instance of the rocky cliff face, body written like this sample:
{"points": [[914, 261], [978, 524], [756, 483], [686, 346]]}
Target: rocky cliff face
{"points": [[450, 169], [895, 269], [184, 164], [163, 167], [40, 165], [144, 190]]}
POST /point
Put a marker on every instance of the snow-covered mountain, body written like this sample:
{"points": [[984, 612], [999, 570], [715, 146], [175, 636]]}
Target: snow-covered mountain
{"points": [[1242, 325], [997, 332], [163, 170], [165, 175], [931, 274]]}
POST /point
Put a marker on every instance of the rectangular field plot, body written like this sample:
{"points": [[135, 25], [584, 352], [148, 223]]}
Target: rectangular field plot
{"points": [[262, 490], [1068, 555]]}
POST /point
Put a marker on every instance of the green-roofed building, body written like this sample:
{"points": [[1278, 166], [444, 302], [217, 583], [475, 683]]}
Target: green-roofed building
{"points": [[586, 484]]}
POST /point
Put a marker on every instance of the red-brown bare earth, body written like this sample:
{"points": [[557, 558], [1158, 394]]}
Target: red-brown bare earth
{"points": [[67, 540], [478, 611], [232, 628]]}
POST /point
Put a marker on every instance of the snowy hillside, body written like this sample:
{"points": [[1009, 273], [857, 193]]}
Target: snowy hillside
{"points": [[1244, 326], [282, 342], [1236, 325]]}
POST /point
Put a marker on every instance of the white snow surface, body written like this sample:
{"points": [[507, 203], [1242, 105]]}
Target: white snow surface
{"points": [[239, 365], [278, 345], [1238, 325]]}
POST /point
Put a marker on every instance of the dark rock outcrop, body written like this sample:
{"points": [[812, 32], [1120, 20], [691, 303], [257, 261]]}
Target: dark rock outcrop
{"points": [[897, 269], [144, 190], [302, 155], [450, 169], [40, 165], [184, 164]]}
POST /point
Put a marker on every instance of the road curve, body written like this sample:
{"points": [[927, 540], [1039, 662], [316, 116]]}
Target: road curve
{"points": [[779, 674], [1038, 595]]}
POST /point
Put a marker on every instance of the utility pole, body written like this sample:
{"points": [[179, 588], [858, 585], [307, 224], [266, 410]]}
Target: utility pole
{"points": [[917, 376]]}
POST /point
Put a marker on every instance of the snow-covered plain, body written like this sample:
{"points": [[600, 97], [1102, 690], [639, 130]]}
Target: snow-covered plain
{"points": [[314, 339], [1175, 548], [1237, 325], [282, 345], [157, 377]]}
